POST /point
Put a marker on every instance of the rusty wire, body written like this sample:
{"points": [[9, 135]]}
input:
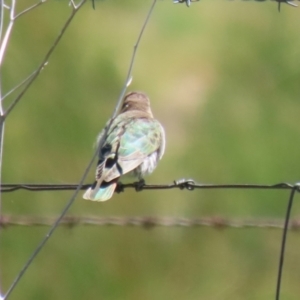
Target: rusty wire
{"points": [[217, 222]]}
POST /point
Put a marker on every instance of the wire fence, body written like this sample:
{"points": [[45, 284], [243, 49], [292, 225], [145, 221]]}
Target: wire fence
{"points": [[217, 222], [138, 221]]}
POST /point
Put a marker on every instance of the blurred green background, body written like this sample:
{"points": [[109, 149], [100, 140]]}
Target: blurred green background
{"points": [[223, 79]]}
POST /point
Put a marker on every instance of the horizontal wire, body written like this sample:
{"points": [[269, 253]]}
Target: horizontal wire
{"points": [[282, 1], [149, 222], [288, 2], [188, 184]]}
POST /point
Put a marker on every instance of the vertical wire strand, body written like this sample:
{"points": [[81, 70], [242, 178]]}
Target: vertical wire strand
{"points": [[283, 241], [129, 78], [1, 124], [3, 47]]}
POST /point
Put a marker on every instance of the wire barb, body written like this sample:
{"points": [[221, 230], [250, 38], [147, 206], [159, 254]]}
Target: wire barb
{"points": [[188, 184]]}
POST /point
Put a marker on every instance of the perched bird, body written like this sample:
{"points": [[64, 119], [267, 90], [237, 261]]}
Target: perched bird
{"points": [[135, 142]]}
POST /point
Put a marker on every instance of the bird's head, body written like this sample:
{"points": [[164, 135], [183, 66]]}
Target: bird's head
{"points": [[136, 101]]}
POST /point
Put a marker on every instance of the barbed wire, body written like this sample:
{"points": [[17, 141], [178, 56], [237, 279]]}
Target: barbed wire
{"points": [[188, 184], [147, 222], [188, 2]]}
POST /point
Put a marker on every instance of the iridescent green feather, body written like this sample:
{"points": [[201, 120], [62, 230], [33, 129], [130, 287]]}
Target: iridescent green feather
{"points": [[137, 138]]}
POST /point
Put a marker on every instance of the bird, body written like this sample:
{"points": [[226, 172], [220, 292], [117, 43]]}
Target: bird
{"points": [[134, 143]]}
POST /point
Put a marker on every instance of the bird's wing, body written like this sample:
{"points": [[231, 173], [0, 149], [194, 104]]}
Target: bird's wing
{"points": [[132, 141]]}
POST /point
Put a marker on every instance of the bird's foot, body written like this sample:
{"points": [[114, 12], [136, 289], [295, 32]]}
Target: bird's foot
{"points": [[119, 187], [139, 184]]}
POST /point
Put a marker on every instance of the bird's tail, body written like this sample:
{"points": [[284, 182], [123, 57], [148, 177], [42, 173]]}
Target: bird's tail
{"points": [[100, 191]]}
